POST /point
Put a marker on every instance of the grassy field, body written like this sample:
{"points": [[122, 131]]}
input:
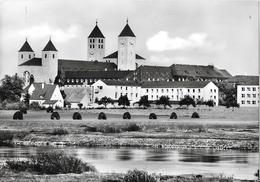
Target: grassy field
{"points": [[219, 128]]}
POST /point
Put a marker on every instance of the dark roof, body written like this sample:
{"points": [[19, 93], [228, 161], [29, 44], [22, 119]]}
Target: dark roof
{"points": [[244, 80], [26, 47], [127, 32], [96, 33], [49, 47], [114, 55], [225, 73], [170, 84], [197, 71], [121, 82], [97, 74], [44, 93], [32, 62], [50, 102], [82, 65]]}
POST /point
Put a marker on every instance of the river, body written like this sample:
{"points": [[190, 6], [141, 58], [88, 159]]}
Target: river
{"points": [[238, 164]]}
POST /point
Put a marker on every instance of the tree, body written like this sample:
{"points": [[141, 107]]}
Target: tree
{"points": [[230, 98], [187, 100], [123, 100], [105, 101], [31, 79], [144, 102], [209, 103], [165, 101], [80, 105], [26, 100], [11, 88]]}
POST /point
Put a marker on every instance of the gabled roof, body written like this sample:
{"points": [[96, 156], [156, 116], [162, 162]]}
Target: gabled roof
{"points": [[225, 73], [75, 94], [196, 71], [32, 62], [82, 65], [26, 47], [42, 91], [120, 82], [244, 80], [49, 47], [127, 32], [114, 55], [175, 84], [96, 33]]}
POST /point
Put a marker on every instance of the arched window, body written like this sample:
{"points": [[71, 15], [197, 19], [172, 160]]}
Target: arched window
{"points": [[22, 56], [53, 56], [45, 56], [29, 56]]}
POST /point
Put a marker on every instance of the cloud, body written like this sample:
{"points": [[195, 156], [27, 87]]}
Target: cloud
{"points": [[162, 42], [44, 30]]}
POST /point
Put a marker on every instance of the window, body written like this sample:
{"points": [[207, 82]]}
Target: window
{"points": [[199, 97], [243, 95], [248, 95], [93, 46], [248, 89], [193, 90], [101, 46], [121, 88], [126, 88], [45, 55], [90, 40], [29, 56], [172, 90], [146, 90], [22, 56], [136, 95], [243, 102], [167, 90], [157, 90], [101, 40], [162, 90], [214, 97], [254, 95], [53, 56], [152, 89], [243, 88], [199, 90], [188, 90], [193, 96], [214, 90], [90, 46], [248, 102], [115, 94], [254, 89], [93, 41], [211, 90], [254, 102]]}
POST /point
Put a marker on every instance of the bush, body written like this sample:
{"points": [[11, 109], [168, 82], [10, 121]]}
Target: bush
{"points": [[59, 131], [23, 110], [109, 129], [132, 127], [49, 109], [55, 115], [76, 116], [127, 115], [51, 163], [138, 176], [152, 116], [195, 115], [35, 106], [6, 135], [12, 106], [102, 116], [18, 115], [173, 116]]}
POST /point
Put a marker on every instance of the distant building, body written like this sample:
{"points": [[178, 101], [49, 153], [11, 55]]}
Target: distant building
{"points": [[202, 90], [45, 95], [77, 95], [247, 90]]}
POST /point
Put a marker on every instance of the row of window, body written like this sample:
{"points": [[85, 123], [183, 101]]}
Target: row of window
{"points": [[117, 95], [249, 102], [29, 56], [93, 40], [46, 55], [248, 88], [100, 46], [249, 95]]}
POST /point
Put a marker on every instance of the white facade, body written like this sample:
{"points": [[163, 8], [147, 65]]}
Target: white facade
{"points": [[208, 92], [248, 95], [49, 66], [101, 89], [96, 49], [126, 53]]}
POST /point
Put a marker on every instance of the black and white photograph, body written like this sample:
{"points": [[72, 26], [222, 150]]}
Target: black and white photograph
{"points": [[129, 90]]}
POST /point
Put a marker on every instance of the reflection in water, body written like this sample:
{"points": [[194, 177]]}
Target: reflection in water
{"points": [[171, 162], [157, 155]]}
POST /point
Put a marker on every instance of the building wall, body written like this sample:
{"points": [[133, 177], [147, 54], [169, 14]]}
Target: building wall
{"points": [[49, 65], [248, 95], [210, 92], [96, 49], [57, 96], [126, 53], [25, 56], [36, 71]]}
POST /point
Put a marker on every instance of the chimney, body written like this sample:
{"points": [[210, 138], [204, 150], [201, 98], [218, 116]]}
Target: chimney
{"points": [[42, 85]]}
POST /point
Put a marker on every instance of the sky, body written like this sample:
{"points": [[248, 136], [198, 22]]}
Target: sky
{"points": [[203, 32]]}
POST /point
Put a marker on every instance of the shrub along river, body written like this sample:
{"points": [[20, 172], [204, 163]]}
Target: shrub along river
{"points": [[239, 164]]}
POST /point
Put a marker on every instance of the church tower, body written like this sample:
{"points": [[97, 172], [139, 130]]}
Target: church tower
{"points": [[126, 49], [25, 53], [49, 62], [96, 45]]}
